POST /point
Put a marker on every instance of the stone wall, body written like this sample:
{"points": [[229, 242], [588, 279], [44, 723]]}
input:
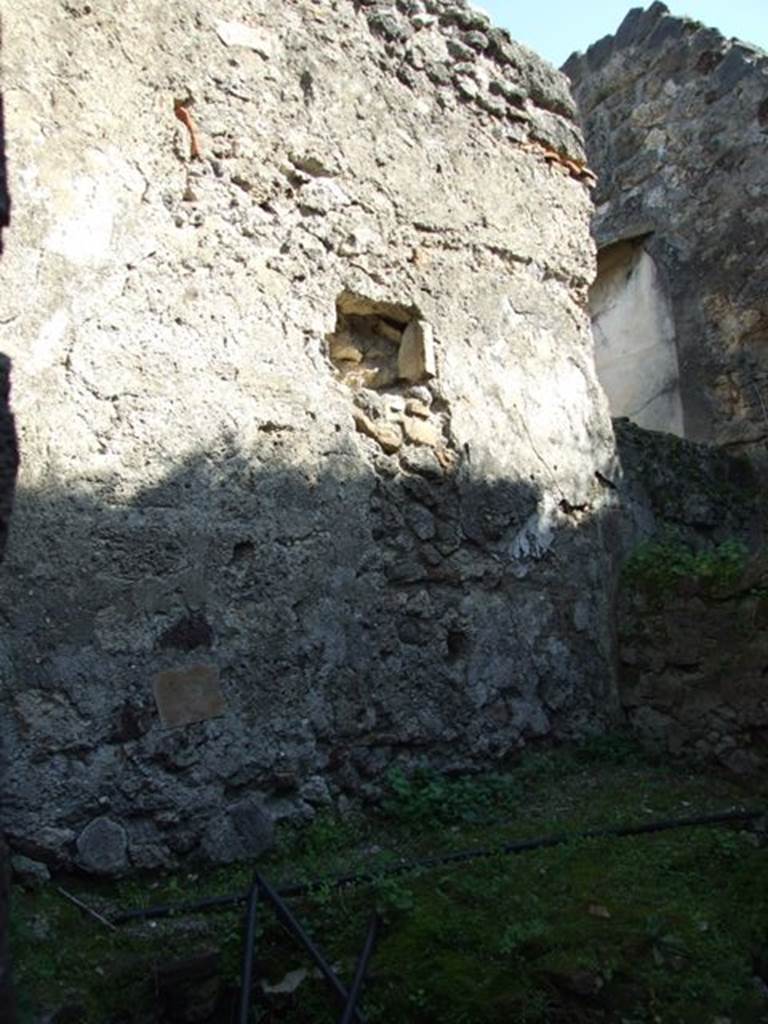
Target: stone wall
{"points": [[693, 667], [699, 492], [315, 457], [692, 623], [676, 122]]}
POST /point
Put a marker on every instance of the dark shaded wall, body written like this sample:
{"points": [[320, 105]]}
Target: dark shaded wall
{"points": [[8, 465], [692, 614], [676, 124]]}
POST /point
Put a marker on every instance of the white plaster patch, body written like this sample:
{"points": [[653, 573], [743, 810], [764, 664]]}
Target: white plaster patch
{"points": [[536, 536], [635, 350], [86, 212], [46, 348], [235, 33]]}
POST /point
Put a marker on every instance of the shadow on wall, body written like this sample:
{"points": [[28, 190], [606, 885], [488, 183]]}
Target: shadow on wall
{"points": [[5, 196], [252, 639], [9, 459], [8, 465]]}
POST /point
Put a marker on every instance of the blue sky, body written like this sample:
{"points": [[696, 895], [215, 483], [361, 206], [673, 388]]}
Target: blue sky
{"points": [[555, 28]]}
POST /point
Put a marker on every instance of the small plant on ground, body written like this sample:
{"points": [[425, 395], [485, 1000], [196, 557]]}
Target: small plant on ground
{"points": [[426, 797]]}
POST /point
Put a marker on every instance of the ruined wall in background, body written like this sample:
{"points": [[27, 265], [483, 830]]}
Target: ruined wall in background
{"points": [[310, 423], [676, 124]]}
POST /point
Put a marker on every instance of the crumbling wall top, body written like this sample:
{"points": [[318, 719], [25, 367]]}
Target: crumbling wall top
{"points": [[454, 46], [653, 31]]}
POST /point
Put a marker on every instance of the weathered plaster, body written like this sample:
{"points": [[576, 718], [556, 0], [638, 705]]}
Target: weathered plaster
{"points": [[371, 535]]}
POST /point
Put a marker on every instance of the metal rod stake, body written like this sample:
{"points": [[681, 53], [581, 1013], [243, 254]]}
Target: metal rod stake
{"points": [[360, 971], [286, 916], [249, 944]]}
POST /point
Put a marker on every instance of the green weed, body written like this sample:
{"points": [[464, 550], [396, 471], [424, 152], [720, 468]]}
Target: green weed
{"points": [[659, 564], [427, 797]]}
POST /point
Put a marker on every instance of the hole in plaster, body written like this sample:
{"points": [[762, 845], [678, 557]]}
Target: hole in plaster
{"points": [[377, 345], [242, 551], [458, 644], [384, 352]]}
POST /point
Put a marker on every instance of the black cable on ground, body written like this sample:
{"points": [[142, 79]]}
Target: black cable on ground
{"points": [[458, 857]]}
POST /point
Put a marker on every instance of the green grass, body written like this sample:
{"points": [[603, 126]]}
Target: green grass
{"points": [[659, 928]]}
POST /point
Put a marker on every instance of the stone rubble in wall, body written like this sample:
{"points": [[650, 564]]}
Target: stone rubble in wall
{"points": [[691, 675], [460, 52]]}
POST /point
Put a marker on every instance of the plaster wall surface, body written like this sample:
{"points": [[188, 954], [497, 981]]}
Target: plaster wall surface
{"points": [[635, 351], [313, 446]]}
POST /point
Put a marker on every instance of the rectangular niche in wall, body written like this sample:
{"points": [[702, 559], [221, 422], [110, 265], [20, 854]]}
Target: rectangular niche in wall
{"points": [[635, 347]]}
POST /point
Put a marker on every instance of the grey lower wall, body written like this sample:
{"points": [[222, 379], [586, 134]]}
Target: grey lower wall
{"points": [[315, 456], [693, 648], [692, 673]]}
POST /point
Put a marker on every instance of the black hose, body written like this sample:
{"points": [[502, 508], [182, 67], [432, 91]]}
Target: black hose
{"points": [[249, 945], [459, 856], [287, 917], [360, 971]]}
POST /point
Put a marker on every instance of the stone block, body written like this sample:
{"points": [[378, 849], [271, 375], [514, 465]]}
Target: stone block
{"points": [[416, 408], [29, 872], [343, 348], [387, 435], [187, 695], [102, 847], [244, 830], [416, 359], [419, 431]]}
